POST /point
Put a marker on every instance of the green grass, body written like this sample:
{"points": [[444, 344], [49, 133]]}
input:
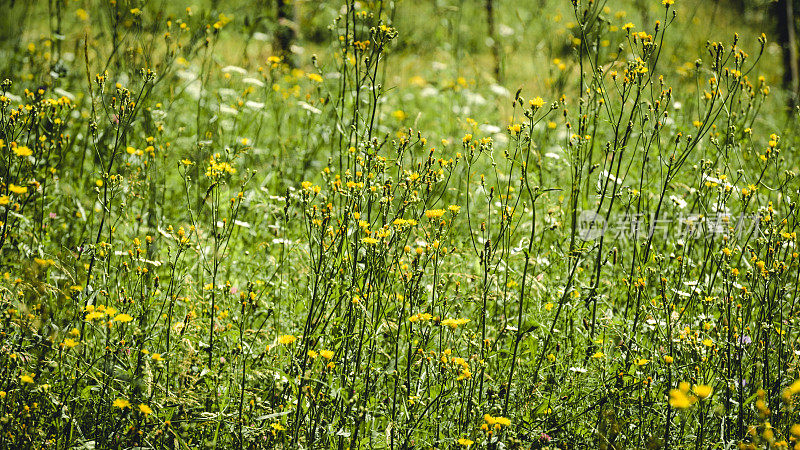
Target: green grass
{"points": [[380, 244]]}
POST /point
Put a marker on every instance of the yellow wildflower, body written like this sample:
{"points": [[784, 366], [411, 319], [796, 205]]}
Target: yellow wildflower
{"points": [[23, 151], [454, 323], [94, 315], [124, 318], [465, 442], [17, 189], [679, 399], [703, 390], [434, 213], [286, 339]]}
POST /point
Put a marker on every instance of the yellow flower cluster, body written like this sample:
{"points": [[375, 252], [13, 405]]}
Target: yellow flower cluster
{"points": [[286, 339], [311, 187], [400, 222], [465, 373], [420, 317], [434, 213], [492, 422], [217, 168], [98, 312], [122, 403], [681, 398], [454, 323]]}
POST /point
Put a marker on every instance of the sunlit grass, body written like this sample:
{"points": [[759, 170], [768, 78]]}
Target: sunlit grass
{"points": [[378, 244]]}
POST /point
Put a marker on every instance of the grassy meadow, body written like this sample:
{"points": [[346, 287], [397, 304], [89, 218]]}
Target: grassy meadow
{"points": [[533, 224]]}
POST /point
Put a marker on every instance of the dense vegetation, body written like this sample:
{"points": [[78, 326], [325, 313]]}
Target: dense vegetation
{"points": [[442, 224]]}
